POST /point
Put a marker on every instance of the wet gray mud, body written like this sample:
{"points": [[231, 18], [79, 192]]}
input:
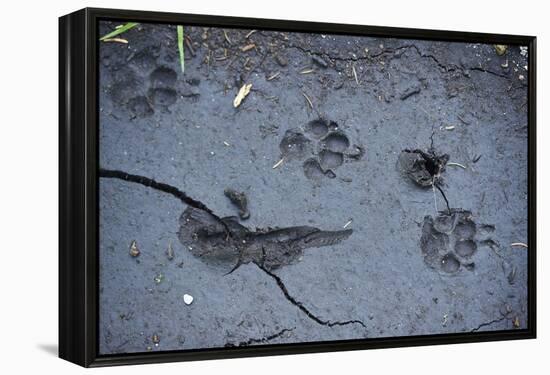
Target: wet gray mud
{"points": [[365, 187]]}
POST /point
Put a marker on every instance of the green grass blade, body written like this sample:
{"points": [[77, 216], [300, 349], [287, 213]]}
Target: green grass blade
{"points": [[119, 30], [180, 48]]}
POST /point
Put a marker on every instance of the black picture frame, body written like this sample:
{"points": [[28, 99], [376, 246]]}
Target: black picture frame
{"points": [[78, 187]]}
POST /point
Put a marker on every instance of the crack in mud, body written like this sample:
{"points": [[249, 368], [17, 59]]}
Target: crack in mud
{"points": [[491, 322], [262, 339], [389, 51], [151, 183], [301, 306]]}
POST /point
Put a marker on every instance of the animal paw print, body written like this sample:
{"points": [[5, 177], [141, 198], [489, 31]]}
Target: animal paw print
{"points": [[450, 240], [157, 92], [323, 146]]}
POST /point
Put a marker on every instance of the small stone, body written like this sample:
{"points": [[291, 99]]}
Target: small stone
{"points": [[319, 61], [134, 251], [500, 49], [188, 299], [523, 50], [281, 60]]}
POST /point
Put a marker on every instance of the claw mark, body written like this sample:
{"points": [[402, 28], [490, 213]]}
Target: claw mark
{"points": [[485, 324]]}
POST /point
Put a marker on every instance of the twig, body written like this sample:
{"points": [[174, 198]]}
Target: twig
{"points": [[117, 40], [273, 76], [519, 244], [456, 165], [278, 163], [308, 100], [227, 37], [355, 74]]}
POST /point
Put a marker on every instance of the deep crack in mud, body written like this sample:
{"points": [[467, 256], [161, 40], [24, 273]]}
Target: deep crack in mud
{"points": [[260, 340]]}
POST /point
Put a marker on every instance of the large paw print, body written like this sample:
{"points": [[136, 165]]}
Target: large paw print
{"points": [[323, 148], [450, 240]]}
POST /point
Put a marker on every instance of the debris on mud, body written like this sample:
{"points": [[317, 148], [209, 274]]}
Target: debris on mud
{"points": [[156, 339], [319, 61], [134, 251], [500, 49], [240, 201], [159, 278], [281, 60], [206, 238], [410, 91], [188, 299], [424, 168], [243, 92], [170, 252]]}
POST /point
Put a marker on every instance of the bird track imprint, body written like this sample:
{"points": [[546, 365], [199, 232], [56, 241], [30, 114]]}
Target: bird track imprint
{"points": [[322, 149]]}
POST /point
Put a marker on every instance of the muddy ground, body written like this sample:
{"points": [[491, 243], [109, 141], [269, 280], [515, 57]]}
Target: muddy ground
{"points": [[365, 251]]}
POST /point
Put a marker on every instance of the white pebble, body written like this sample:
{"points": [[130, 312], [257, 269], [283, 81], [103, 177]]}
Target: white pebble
{"points": [[188, 299]]}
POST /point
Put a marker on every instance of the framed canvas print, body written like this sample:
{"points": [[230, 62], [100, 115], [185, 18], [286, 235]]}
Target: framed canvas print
{"points": [[242, 187]]}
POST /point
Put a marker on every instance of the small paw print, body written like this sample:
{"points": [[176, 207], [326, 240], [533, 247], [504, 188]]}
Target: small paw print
{"points": [[322, 149]]}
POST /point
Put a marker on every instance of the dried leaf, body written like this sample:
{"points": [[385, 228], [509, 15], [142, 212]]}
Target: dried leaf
{"points": [[243, 92]]}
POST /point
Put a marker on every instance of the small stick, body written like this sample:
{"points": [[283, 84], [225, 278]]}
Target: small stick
{"points": [[519, 244], [227, 37], [273, 76], [278, 163], [308, 100], [347, 224], [307, 71], [456, 165], [355, 74], [117, 40], [250, 33]]}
